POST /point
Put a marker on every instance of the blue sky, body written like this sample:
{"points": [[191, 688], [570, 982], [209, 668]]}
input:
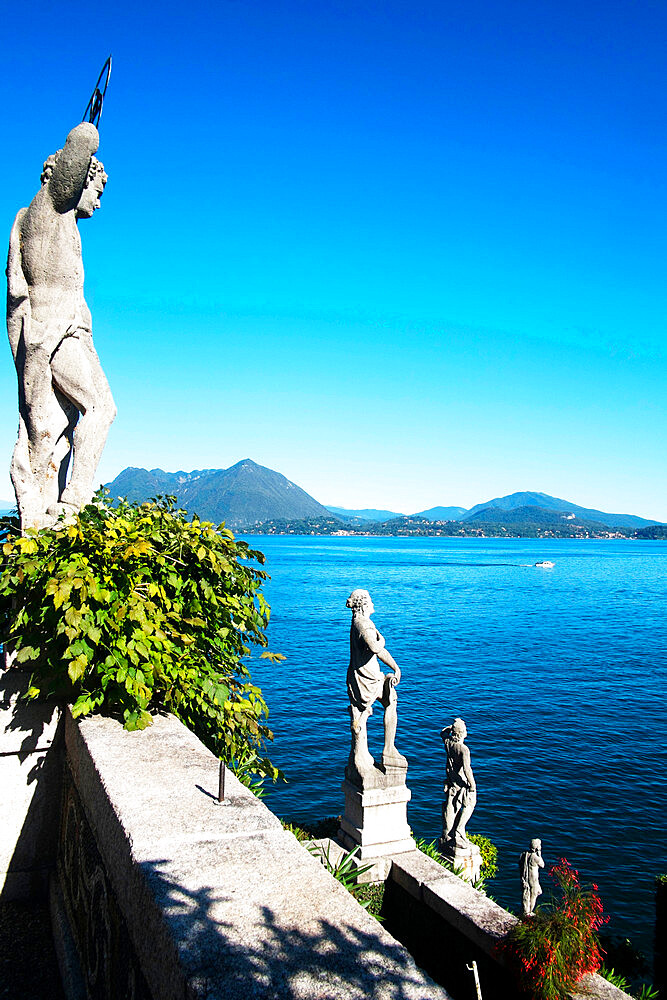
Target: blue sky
{"points": [[406, 254]]}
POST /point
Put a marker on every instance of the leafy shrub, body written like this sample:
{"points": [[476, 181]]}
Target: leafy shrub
{"points": [[345, 870], [371, 896], [551, 950], [132, 609], [489, 853]]}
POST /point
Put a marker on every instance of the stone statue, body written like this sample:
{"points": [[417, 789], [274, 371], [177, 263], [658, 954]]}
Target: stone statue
{"points": [[460, 790], [366, 683], [529, 866], [65, 404]]}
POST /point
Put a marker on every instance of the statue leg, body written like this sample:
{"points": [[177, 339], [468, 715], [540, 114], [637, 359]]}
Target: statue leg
{"points": [[390, 755], [28, 495], [360, 756], [33, 468], [458, 831], [449, 813], [77, 373]]}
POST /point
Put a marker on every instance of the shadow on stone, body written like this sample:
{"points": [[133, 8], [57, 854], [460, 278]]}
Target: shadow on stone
{"points": [[261, 956]]}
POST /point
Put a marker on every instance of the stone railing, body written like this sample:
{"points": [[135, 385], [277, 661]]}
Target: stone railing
{"points": [[171, 895], [161, 893], [447, 924]]}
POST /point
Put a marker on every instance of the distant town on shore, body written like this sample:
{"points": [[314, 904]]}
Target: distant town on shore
{"points": [[253, 499]]}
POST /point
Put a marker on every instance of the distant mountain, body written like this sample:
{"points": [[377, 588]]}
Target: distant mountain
{"points": [[242, 496], [442, 513], [517, 500], [365, 514], [535, 516]]}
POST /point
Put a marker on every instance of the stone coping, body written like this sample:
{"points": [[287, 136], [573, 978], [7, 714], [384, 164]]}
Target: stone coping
{"points": [[219, 900], [476, 916]]}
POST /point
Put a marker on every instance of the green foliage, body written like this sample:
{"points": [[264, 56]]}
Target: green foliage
{"points": [[301, 835], [489, 854], [371, 897], [321, 829], [653, 531], [647, 992], [429, 848], [134, 609], [613, 977], [345, 870], [489, 851]]}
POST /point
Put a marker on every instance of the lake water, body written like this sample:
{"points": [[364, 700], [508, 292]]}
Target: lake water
{"points": [[560, 675]]}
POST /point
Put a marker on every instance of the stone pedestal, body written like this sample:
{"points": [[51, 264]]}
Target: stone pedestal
{"points": [[466, 860], [376, 819]]}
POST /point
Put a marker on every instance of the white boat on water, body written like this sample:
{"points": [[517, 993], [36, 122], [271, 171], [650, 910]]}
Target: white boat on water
{"points": [[545, 564]]}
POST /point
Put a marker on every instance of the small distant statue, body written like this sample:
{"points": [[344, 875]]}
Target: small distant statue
{"points": [[530, 863], [460, 789], [366, 684], [65, 404]]}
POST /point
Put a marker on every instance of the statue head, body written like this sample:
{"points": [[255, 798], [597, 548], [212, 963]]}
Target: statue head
{"points": [[92, 192], [360, 600], [458, 730], [536, 844]]}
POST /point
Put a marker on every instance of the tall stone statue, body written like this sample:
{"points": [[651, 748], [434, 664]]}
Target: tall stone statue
{"points": [[529, 865], [460, 789], [375, 821], [460, 799], [366, 684], [65, 404]]}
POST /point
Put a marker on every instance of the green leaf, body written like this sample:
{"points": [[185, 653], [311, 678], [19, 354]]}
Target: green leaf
{"points": [[27, 653]]}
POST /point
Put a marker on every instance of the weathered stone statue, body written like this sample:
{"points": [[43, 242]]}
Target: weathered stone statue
{"points": [[366, 684], [375, 821], [460, 799], [529, 865], [460, 790], [65, 404]]}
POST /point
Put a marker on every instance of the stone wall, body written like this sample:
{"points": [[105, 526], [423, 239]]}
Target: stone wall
{"points": [[161, 893], [170, 895], [446, 924]]}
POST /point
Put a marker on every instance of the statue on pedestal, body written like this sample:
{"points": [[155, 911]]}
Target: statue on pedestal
{"points": [[529, 865], [375, 820], [65, 404], [366, 684], [460, 789], [460, 799]]}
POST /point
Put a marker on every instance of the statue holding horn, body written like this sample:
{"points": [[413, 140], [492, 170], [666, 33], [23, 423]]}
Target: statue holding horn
{"points": [[65, 404]]}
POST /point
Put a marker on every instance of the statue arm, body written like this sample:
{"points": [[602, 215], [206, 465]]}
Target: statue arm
{"points": [[376, 644], [467, 769], [70, 172]]}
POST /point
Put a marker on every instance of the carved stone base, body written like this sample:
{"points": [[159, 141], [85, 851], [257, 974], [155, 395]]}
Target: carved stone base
{"points": [[376, 819], [466, 860]]}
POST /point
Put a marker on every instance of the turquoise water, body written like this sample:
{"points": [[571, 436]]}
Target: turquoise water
{"points": [[560, 676]]}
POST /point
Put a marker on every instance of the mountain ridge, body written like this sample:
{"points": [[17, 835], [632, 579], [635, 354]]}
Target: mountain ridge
{"points": [[247, 494], [243, 495], [441, 513], [365, 514], [534, 499]]}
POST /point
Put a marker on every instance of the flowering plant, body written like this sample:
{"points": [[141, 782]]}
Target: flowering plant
{"points": [[552, 949]]}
